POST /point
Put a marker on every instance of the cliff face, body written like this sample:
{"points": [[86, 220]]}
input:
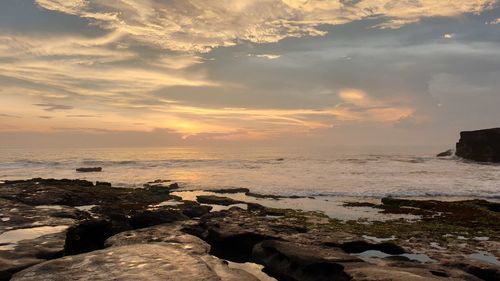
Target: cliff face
{"points": [[481, 145]]}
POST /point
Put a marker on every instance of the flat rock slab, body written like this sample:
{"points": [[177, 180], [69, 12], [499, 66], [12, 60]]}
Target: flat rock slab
{"points": [[134, 262], [32, 234], [380, 273]]}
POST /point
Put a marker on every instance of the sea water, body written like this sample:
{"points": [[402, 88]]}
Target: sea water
{"points": [[329, 171]]}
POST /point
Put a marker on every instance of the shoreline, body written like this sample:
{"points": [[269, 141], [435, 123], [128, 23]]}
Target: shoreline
{"points": [[392, 235], [439, 196]]}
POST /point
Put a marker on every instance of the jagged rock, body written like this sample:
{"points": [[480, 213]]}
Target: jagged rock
{"points": [[89, 170], [311, 245], [446, 153], [216, 200], [233, 233], [483, 271], [135, 262], [46, 205], [78, 192], [154, 217], [288, 261], [481, 145], [87, 236], [362, 246], [230, 190], [194, 210]]}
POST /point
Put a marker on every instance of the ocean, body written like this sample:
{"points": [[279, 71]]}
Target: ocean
{"points": [[332, 171]]}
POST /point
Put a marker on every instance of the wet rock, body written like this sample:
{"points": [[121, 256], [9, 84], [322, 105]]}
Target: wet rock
{"points": [[157, 181], [103, 184], [265, 196], [378, 273], [78, 193], [288, 261], [233, 233], [32, 234], [27, 253], [362, 246], [481, 145], [446, 153], [217, 200], [162, 186], [235, 247], [47, 203], [10, 266], [87, 236], [359, 204], [194, 210], [230, 190], [153, 217], [89, 169], [135, 262], [483, 271]]}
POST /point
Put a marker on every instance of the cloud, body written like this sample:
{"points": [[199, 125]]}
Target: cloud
{"points": [[201, 25], [354, 96], [8, 115], [55, 68], [83, 116], [184, 65], [268, 56], [89, 137], [495, 21], [411, 122], [54, 107]]}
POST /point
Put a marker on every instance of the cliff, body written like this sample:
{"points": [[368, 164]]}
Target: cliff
{"points": [[480, 145]]}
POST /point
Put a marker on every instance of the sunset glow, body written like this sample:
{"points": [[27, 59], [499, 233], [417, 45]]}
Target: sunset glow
{"points": [[244, 70]]}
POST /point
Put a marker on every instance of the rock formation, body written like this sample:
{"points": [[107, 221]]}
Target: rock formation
{"points": [[481, 145], [89, 170], [127, 234], [446, 153]]}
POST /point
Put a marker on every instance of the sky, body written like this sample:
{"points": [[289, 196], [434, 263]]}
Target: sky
{"points": [[196, 72]]}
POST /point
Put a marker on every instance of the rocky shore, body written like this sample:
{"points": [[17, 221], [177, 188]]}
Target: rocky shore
{"points": [[80, 230]]}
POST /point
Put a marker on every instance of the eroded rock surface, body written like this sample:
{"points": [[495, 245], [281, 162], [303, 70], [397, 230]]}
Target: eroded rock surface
{"points": [[134, 262], [148, 234], [37, 213], [169, 234]]}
